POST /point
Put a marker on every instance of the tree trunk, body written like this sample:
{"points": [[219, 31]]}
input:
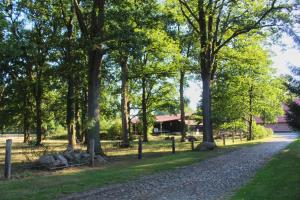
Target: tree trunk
{"points": [[208, 140], [250, 131], [26, 118], [124, 102], [144, 111], [182, 113], [94, 64], [71, 112], [38, 109], [84, 117], [129, 122], [77, 122]]}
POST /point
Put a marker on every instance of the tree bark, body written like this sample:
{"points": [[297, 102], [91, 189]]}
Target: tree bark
{"points": [[77, 122], [94, 63], [71, 112], [26, 118], [182, 113], [250, 125], [38, 109], [93, 32], [84, 117], [206, 109], [124, 102], [129, 122], [144, 111]]}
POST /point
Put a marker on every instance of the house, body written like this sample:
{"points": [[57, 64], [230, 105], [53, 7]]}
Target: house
{"points": [[172, 124], [281, 124]]}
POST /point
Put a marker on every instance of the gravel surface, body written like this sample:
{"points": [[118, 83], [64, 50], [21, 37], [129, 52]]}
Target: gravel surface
{"points": [[212, 179]]}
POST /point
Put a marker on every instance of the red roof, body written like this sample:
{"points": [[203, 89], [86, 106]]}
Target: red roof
{"points": [[166, 118]]}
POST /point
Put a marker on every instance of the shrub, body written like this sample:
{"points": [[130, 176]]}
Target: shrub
{"points": [[261, 131], [115, 130]]}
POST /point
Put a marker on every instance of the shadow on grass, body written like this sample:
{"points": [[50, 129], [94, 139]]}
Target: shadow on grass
{"points": [[51, 185]]}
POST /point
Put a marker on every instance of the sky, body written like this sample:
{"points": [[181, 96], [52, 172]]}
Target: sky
{"points": [[282, 56]]}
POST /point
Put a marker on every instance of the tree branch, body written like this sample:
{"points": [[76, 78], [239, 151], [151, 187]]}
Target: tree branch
{"points": [[189, 20], [247, 29], [80, 19]]}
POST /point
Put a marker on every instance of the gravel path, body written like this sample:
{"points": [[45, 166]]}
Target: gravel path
{"points": [[211, 179]]}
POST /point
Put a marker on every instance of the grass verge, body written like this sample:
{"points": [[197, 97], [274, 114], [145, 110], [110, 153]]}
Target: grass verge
{"points": [[55, 185], [279, 180], [52, 187]]}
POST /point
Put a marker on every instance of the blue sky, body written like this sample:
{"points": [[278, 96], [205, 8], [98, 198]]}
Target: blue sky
{"points": [[282, 57]]}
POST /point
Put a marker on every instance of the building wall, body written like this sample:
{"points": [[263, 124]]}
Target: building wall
{"points": [[279, 127]]}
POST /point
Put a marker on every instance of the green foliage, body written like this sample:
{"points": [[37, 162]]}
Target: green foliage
{"points": [[260, 132], [293, 85], [246, 76], [114, 132], [42, 48], [293, 116]]}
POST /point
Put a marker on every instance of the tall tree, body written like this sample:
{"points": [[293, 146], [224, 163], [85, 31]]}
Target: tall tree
{"points": [[245, 87], [91, 23], [216, 24]]}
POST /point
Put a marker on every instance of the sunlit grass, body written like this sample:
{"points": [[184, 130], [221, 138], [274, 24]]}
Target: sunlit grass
{"points": [[124, 166], [279, 180]]}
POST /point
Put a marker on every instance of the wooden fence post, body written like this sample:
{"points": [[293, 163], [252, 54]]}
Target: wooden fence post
{"points": [[223, 136], [233, 134], [140, 148], [241, 138], [7, 169], [92, 152], [173, 145]]}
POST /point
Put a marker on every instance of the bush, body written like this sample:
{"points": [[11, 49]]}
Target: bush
{"points": [[261, 131], [59, 133], [114, 132]]}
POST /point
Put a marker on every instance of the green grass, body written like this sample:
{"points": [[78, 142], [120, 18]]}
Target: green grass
{"points": [[279, 180], [51, 187], [46, 185]]}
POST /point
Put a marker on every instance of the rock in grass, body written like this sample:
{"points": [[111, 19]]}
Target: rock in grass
{"points": [[46, 160], [62, 160], [205, 146]]}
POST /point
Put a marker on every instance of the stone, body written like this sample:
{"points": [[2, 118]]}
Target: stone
{"points": [[68, 155], [85, 157], [76, 157], [63, 160], [205, 146], [46, 160]]}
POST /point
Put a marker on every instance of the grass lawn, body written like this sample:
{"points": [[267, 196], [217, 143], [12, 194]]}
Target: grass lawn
{"points": [[279, 180], [51, 185]]}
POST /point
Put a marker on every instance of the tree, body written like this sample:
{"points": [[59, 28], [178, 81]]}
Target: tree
{"points": [[245, 87], [293, 85], [91, 23], [216, 24], [153, 71], [127, 44]]}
